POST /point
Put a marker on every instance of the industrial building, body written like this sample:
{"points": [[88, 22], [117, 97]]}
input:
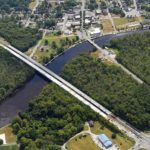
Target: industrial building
{"points": [[106, 142]]}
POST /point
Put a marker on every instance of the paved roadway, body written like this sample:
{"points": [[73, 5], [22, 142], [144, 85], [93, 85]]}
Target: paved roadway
{"points": [[64, 23], [139, 137]]}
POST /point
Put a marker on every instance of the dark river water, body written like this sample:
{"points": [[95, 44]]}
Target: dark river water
{"points": [[19, 101]]}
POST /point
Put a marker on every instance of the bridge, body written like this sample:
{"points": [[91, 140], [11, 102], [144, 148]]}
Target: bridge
{"points": [[122, 125]]}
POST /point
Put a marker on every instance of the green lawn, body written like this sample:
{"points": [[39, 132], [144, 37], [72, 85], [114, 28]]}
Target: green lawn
{"points": [[10, 147], [120, 21], [82, 143], [41, 55], [123, 142]]}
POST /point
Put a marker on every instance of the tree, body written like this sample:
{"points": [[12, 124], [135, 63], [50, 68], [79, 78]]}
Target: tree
{"points": [[53, 45], [46, 42], [1, 142], [49, 23], [113, 136]]}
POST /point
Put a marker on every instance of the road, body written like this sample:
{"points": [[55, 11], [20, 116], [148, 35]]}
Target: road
{"points": [[135, 4], [35, 48], [64, 23], [122, 125], [92, 135], [33, 10]]}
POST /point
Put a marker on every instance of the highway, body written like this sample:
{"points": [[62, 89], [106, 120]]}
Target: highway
{"points": [[122, 125]]}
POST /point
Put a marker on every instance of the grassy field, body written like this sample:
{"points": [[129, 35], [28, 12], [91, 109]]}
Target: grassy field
{"points": [[123, 22], [120, 21], [107, 26], [32, 4], [82, 143], [9, 147], [41, 55], [10, 137], [123, 143]]}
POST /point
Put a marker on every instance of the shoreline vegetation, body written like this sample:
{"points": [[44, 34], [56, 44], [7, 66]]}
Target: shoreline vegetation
{"points": [[53, 45], [135, 46], [109, 84], [14, 74], [56, 116], [19, 37]]}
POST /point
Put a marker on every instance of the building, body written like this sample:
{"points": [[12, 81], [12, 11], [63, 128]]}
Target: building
{"points": [[67, 32], [87, 21], [98, 12], [77, 17], [60, 1], [76, 23], [105, 141], [94, 32]]}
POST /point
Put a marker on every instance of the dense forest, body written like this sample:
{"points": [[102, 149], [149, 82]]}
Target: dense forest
{"points": [[21, 38], [56, 116], [17, 5], [111, 87], [12, 73], [134, 53]]}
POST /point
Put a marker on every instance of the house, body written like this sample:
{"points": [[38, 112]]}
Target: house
{"points": [[76, 23], [68, 24], [67, 32], [106, 142], [77, 17]]}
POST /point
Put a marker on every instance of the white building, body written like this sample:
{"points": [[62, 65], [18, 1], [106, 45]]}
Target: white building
{"points": [[87, 21], [94, 32], [67, 32]]}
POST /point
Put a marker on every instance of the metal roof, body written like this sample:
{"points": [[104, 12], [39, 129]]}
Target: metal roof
{"points": [[105, 140]]}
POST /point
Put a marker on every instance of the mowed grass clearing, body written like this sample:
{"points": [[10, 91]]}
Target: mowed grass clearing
{"points": [[40, 55], [9, 147], [10, 137], [107, 26], [123, 22], [123, 142], [82, 143], [120, 21]]}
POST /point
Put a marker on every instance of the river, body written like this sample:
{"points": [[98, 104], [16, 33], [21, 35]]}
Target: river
{"points": [[20, 100]]}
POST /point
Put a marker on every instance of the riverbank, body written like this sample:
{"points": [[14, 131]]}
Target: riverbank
{"points": [[19, 102]]}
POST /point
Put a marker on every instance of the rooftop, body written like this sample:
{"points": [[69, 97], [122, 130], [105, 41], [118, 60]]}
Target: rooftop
{"points": [[105, 140]]}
